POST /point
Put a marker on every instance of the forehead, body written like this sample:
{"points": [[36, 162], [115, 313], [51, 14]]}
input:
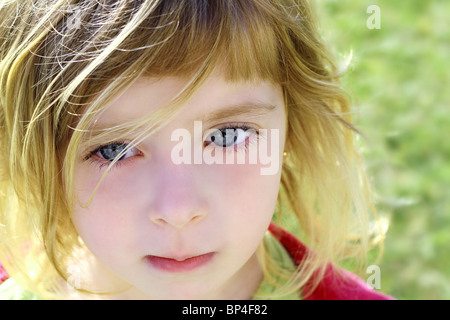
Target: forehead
{"points": [[217, 97]]}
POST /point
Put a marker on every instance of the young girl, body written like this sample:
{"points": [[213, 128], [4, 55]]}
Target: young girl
{"points": [[154, 149]]}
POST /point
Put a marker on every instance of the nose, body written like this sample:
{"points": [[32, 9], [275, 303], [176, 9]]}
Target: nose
{"points": [[178, 216], [178, 201]]}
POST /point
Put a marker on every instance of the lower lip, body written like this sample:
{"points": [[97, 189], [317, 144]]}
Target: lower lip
{"points": [[172, 265]]}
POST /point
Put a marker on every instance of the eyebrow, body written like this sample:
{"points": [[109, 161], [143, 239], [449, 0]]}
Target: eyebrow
{"points": [[249, 109], [252, 109]]}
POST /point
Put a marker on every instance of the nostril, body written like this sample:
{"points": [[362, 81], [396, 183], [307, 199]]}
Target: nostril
{"points": [[196, 218], [176, 220], [176, 213], [158, 221]]}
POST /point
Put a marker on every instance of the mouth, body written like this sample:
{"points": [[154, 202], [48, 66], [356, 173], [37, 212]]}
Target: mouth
{"points": [[172, 264]]}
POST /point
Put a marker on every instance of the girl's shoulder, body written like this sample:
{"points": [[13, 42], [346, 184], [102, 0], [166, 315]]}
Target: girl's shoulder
{"points": [[337, 284]]}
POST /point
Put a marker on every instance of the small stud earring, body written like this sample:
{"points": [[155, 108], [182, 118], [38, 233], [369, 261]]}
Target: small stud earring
{"points": [[285, 154]]}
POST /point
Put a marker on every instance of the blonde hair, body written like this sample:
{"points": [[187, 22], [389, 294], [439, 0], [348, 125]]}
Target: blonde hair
{"points": [[56, 78]]}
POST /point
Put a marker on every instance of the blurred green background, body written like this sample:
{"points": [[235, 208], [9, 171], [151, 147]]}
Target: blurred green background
{"points": [[399, 77]]}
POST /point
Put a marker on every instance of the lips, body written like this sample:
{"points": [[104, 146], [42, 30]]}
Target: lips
{"points": [[179, 265]]}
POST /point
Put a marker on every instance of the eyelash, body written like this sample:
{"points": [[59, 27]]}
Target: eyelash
{"points": [[92, 157]]}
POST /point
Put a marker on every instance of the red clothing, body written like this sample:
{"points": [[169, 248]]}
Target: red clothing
{"points": [[3, 274], [334, 286]]}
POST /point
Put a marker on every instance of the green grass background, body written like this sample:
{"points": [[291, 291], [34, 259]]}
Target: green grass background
{"points": [[399, 78]]}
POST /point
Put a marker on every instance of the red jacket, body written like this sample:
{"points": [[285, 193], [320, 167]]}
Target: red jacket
{"points": [[334, 286], [3, 274]]}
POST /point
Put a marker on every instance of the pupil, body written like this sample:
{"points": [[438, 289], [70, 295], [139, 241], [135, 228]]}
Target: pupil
{"points": [[225, 137], [111, 151]]}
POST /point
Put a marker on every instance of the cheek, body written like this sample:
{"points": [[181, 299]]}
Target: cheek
{"points": [[243, 195], [106, 222], [245, 205]]}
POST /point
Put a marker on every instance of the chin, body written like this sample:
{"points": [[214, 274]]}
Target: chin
{"points": [[178, 291]]}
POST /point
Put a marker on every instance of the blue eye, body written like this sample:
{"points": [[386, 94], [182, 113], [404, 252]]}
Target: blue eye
{"points": [[111, 151], [228, 137], [107, 153]]}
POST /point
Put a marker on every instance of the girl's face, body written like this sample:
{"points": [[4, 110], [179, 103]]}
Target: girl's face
{"points": [[171, 229]]}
